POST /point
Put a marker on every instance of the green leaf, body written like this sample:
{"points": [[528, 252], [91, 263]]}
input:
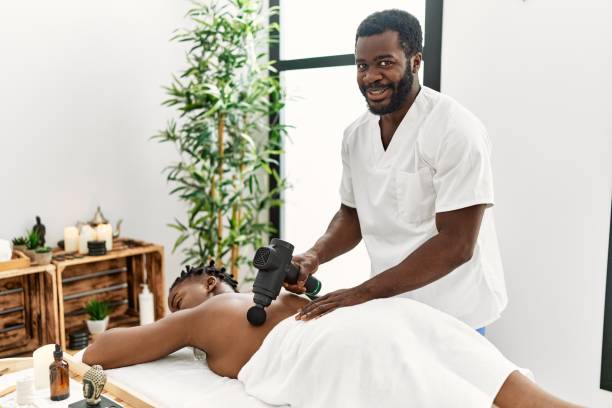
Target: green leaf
{"points": [[179, 241]]}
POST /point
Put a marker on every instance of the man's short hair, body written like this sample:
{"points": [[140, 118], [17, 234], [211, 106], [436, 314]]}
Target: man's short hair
{"points": [[404, 23]]}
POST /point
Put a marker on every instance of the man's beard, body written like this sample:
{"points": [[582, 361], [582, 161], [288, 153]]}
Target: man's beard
{"points": [[400, 91]]}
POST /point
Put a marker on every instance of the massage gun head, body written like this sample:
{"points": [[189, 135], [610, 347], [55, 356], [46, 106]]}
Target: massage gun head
{"points": [[256, 315]]}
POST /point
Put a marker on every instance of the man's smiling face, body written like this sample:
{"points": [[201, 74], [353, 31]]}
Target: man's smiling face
{"points": [[384, 74]]}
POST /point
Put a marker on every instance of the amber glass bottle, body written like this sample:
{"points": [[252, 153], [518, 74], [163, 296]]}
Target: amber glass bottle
{"points": [[59, 376]]}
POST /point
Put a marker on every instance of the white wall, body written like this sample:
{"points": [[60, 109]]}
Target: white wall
{"points": [[538, 75], [80, 94]]}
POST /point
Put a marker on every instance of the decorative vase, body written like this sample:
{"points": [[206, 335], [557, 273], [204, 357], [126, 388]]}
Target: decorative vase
{"points": [[96, 327]]}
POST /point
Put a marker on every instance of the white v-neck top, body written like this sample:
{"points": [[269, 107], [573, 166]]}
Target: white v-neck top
{"points": [[438, 160]]}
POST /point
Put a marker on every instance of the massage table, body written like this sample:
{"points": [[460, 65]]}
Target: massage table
{"points": [[176, 381], [181, 381]]}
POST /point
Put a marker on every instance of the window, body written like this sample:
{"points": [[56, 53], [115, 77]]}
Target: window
{"points": [[316, 67]]}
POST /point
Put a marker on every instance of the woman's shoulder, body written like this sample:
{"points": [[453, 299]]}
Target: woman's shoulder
{"points": [[225, 302]]}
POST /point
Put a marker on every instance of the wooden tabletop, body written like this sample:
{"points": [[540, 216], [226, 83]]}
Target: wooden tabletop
{"points": [[114, 390], [26, 271]]}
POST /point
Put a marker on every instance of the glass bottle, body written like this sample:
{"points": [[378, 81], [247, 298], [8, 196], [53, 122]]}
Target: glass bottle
{"points": [[59, 376]]}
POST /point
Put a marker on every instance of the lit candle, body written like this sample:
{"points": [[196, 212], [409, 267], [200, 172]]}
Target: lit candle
{"points": [[43, 357], [71, 239], [104, 232], [87, 234]]}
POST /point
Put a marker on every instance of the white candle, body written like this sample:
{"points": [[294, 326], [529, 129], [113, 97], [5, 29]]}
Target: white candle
{"points": [[71, 239], [43, 357], [87, 234], [104, 232]]}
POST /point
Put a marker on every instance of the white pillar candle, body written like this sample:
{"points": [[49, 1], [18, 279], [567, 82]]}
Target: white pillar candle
{"points": [[87, 234], [43, 357], [71, 239], [104, 232]]}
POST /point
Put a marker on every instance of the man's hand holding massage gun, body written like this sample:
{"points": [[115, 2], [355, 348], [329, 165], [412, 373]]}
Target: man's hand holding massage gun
{"points": [[276, 267], [342, 235]]}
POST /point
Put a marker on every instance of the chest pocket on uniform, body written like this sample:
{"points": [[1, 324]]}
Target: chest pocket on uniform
{"points": [[415, 195]]}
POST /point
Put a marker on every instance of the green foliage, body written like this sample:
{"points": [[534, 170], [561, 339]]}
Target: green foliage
{"points": [[224, 138], [32, 240], [43, 250], [97, 310], [19, 241]]}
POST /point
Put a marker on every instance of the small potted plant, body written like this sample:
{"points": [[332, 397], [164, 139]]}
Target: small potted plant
{"points": [[19, 244], [32, 242], [43, 255], [98, 316]]}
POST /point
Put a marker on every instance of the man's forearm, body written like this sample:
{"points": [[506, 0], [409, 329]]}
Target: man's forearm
{"points": [[433, 260], [452, 246], [437, 257], [342, 235]]}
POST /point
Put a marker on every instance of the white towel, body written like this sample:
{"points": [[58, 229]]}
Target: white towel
{"points": [[383, 353]]}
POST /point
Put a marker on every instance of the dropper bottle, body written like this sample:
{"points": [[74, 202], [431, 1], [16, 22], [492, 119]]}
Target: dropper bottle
{"points": [[59, 376]]}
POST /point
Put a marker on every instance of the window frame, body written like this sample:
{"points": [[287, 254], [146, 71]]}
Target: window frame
{"points": [[605, 382]]}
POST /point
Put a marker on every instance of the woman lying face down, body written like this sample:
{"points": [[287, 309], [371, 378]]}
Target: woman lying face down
{"points": [[209, 314]]}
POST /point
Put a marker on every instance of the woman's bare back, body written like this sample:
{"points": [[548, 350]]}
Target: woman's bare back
{"points": [[225, 334]]}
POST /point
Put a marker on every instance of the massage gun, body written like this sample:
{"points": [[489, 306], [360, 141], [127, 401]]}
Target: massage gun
{"points": [[275, 267]]}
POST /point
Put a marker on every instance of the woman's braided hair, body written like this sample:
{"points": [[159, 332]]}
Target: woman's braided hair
{"points": [[211, 270]]}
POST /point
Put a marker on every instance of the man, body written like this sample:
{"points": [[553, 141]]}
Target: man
{"points": [[432, 351], [416, 186]]}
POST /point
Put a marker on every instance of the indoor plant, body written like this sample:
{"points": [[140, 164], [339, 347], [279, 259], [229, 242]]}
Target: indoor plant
{"points": [[19, 244], [227, 134], [43, 255], [32, 242], [98, 316]]}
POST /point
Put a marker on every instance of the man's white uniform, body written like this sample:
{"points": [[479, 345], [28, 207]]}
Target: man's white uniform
{"points": [[438, 160]]}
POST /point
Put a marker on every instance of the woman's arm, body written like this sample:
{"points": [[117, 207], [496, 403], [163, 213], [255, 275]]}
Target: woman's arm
{"points": [[121, 347]]}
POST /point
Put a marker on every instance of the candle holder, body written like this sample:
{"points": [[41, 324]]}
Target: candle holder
{"points": [[96, 248]]}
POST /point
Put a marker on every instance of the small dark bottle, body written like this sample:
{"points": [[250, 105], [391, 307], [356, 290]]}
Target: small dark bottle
{"points": [[59, 376]]}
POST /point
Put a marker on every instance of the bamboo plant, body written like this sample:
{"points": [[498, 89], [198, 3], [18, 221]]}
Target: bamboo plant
{"points": [[224, 135]]}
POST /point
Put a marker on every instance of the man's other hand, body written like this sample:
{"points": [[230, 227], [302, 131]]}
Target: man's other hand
{"points": [[332, 301], [308, 263]]}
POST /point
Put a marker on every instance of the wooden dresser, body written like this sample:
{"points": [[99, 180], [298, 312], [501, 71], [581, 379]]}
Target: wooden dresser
{"points": [[43, 304]]}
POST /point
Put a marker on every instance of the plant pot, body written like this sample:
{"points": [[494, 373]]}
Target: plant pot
{"points": [[43, 258], [97, 326], [20, 248], [31, 254]]}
